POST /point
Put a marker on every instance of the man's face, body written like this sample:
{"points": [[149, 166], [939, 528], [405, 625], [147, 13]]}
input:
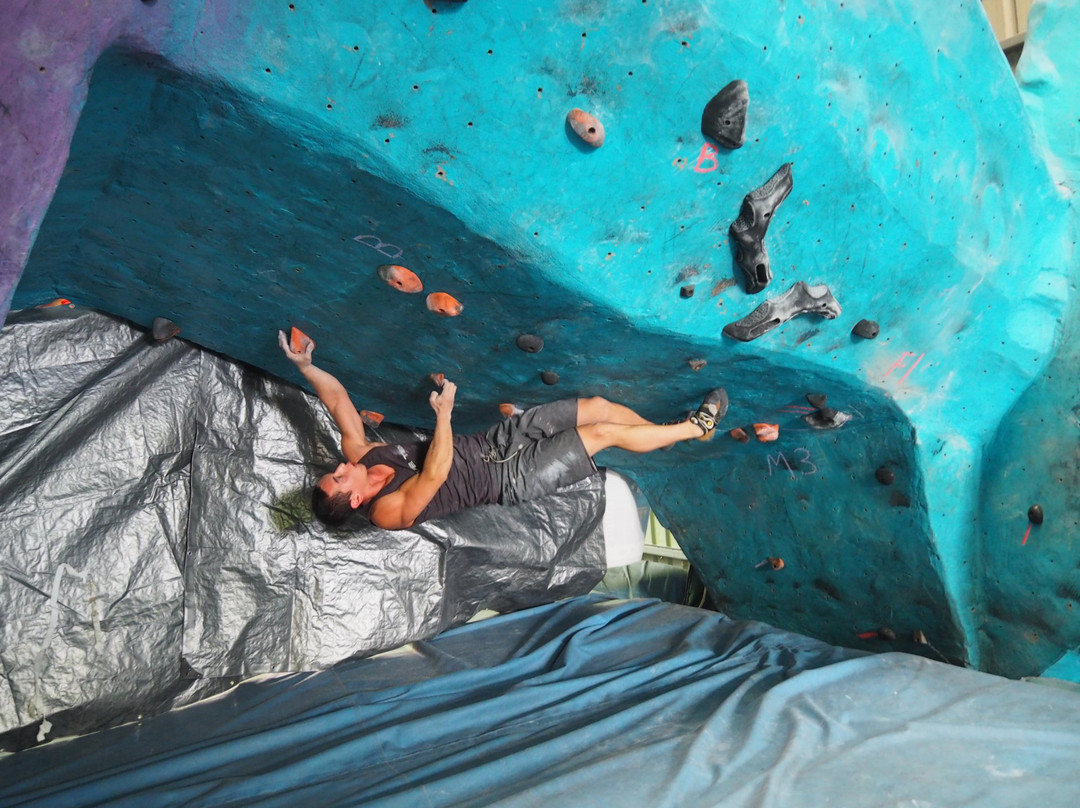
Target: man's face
{"points": [[347, 478]]}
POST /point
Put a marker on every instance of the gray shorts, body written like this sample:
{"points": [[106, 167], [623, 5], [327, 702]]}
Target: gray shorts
{"points": [[538, 452]]}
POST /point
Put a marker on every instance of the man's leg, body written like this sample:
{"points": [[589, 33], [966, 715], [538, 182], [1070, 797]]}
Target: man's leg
{"points": [[648, 437], [635, 437], [597, 410]]}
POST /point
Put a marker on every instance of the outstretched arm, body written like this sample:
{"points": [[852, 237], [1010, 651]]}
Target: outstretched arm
{"points": [[334, 397], [400, 509]]}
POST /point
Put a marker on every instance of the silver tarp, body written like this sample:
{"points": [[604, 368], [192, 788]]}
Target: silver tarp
{"points": [[155, 535]]}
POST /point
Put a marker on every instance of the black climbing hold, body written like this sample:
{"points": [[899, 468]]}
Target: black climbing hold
{"points": [[162, 329], [1035, 514], [827, 418], [885, 475], [816, 400], [748, 231], [799, 299], [530, 343], [724, 118], [886, 633], [687, 291], [867, 329], [549, 377]]}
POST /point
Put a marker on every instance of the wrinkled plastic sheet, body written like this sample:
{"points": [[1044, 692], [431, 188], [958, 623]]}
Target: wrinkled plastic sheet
{"points": [[156, 541], [589, 702]]}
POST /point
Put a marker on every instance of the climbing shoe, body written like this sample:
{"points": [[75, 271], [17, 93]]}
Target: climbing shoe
{"points": [[711, 411]]}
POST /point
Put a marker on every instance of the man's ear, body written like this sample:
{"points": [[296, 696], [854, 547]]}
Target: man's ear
{"points": [[355, 500]]}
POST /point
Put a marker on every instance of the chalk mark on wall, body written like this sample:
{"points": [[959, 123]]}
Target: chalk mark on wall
{"points": [[805, 464], [380, 246], [901, 363]]}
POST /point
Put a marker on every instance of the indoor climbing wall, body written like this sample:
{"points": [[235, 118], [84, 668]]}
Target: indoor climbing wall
{"points": [[839, 211]]}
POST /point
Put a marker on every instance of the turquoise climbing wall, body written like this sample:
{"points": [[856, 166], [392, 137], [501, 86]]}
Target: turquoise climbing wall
{"points": [[240, 168]]}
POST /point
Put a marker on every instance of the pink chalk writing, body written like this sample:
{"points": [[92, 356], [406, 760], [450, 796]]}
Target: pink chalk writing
{"points": [[902, 362], [708, 152]]}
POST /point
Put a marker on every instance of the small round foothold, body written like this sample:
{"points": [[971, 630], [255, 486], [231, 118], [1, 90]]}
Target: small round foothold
{"points": [[586, 126], [885, 475], [867, 329], [816, 400], [687, 291], [549, 377], [402, 279], [530, 343], [163, 329], [886, 633], [740, 435], [1035, 514], [60, 301], [696, 364], [444, 304], [767, 432], [776, 563], [508, 410], [371, 418]]}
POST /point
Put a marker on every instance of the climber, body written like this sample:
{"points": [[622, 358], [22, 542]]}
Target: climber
{"points": [[526, 456]]}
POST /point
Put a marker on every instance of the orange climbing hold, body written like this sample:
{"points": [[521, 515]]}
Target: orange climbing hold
{"points": [[510, 410], [299, 341], [767, 432], [401, 278], [444, 304], [586, 127], [438, 379], [60, 301], [740, 435], [371, 418]]}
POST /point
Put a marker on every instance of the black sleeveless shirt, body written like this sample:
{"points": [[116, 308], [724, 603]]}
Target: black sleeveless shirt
{"points": [[472, 480]]}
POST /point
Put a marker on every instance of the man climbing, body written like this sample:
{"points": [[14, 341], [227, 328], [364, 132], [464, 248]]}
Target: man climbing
{"points": [[526, 456]]}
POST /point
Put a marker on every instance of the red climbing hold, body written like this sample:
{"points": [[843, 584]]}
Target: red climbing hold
{"points": [[299, 341], [444, 304], [767, 432], [438, 379], [740, 435], [400, 278], [586, 127], [60, 301], [371, 418]]}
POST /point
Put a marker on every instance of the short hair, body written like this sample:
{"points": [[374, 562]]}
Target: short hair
{"points": [[332, 511]]}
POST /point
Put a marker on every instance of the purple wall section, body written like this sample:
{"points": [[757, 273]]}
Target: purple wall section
{"points": [[47, 50]]}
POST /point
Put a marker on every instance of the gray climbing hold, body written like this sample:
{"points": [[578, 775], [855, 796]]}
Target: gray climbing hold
{"points": [[827, 418], [748, 231], [885, 475], [1035, 514], [724, 118], [867, 329], [816, 400], [162, 329], [799, 299], [530, 343], [549, 377]]}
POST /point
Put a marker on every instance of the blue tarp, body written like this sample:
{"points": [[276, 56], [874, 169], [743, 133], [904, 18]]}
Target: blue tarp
{"points": [[587, 702]]}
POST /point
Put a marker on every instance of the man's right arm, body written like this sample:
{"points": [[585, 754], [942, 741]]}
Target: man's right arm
{"points": [[401, 508], [334, 397]]}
